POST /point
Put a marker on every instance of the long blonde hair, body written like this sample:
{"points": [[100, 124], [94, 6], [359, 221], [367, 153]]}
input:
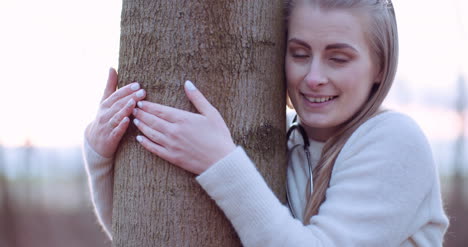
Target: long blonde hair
{"points": [[383, 38]]}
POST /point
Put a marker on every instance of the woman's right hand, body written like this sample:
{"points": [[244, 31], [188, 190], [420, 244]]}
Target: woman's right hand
{"points": [[107, 129]]}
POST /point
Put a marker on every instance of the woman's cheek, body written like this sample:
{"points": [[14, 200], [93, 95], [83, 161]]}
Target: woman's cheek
{"points": [[295, 73]]}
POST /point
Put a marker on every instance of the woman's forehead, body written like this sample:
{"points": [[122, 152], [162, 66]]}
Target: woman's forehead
{"points": [[314, 25]]}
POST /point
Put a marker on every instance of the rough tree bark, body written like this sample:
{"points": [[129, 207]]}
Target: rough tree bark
{"points": [[233, 51]]}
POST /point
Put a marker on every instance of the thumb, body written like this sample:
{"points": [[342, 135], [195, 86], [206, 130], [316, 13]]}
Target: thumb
{"points": [[111, 85], [198, 100]]}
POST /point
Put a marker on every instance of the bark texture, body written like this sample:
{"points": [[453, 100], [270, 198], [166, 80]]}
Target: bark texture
{"points": [[233, 52]]}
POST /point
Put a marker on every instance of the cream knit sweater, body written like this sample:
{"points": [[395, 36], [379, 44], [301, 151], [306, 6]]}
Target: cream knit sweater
{"points": [[384, 191]]}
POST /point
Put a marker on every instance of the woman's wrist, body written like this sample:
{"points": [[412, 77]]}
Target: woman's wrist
{"points": [[91, 155]]}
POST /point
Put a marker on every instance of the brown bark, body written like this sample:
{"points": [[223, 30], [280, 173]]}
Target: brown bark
{"points": [[233, 52]]}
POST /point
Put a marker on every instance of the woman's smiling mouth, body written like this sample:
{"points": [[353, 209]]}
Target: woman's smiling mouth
{"points": [[320, 99]]}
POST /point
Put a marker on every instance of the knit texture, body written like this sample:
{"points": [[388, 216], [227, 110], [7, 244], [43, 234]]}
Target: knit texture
{"points": [[101, 183], [384, 191]]}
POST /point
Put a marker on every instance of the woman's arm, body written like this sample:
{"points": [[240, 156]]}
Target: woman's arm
{"points": [[381, 194], [101, 182], [102, 136], [378, 186]]}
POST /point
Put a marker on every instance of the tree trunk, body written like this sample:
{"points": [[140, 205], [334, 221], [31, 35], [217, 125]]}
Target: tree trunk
{"points": [[233, 52]]}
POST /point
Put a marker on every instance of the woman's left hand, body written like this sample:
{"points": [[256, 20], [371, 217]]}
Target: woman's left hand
{"points": [[189, 140]]}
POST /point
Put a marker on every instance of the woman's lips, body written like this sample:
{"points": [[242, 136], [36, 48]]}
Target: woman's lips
{"points": [[320, 99]]}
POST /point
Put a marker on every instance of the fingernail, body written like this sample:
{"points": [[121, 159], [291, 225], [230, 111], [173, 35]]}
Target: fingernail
{"points": [[140, 104], [135, 110], [136, 121], [139, 138], [111, 69], [135, 86], [125, 119], [189, 85], [140, 93], [131, 102]]}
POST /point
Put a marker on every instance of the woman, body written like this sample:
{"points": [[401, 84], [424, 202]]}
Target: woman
{"points": [[366, 177]]}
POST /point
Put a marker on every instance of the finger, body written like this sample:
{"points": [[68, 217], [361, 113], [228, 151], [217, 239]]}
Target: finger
{"points": [[154, 135], [118, 132], [127, 104], [137, 96], [121, 113], [152, 121], [116, 115], [122, 93], [198, 100], [113, 122], [111, 85], [153, 147], [167, 113]]}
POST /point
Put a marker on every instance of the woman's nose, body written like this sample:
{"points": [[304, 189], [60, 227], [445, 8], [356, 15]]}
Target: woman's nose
{"points": [[316, 75]]}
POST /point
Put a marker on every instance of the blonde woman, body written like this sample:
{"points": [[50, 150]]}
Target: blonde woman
{"points": [[357, 175]]}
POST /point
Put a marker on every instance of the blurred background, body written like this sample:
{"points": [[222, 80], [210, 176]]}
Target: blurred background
{"points": [[54, 60]]}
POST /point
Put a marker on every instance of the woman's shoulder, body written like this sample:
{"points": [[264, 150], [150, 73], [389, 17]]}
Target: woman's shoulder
{"points": [[390, 148], [389, 133], [390, 124]]}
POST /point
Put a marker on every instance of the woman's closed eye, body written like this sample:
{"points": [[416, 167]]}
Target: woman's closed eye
{"points": [[340, 59], [300, 55]]}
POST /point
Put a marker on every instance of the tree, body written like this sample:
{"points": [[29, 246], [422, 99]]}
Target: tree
{"points": [[233, 51], [8, 224]]}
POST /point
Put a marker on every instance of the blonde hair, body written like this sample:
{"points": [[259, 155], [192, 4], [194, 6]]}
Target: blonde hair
{"points": [[383, 39]]}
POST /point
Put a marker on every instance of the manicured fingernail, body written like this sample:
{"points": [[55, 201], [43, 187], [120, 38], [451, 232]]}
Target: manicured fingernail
{"points": [[136, 121], [140, 104], [140, 93], [135, 86], [139, 138], [189, 85], [125, 119], [131, 102], [135, 111]]}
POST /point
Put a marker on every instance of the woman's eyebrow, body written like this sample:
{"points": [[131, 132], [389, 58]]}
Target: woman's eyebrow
{"points": [[300, 42], [340, 46], [329, 47]]}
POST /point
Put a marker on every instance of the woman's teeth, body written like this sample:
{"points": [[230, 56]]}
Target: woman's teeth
{"points": [[319, 100]]}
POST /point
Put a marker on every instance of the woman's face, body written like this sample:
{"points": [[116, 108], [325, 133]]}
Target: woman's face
{"points": [[329, 69]]}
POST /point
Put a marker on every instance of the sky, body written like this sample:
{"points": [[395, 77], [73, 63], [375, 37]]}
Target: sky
{"points": [[55, 56]]}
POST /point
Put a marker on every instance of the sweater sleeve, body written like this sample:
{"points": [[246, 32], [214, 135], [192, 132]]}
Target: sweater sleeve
{"points": [[379, 182], [101, 181]]}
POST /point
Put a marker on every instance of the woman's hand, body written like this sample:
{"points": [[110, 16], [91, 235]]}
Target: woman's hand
{"points": [[189, 140], [112, 120]]}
